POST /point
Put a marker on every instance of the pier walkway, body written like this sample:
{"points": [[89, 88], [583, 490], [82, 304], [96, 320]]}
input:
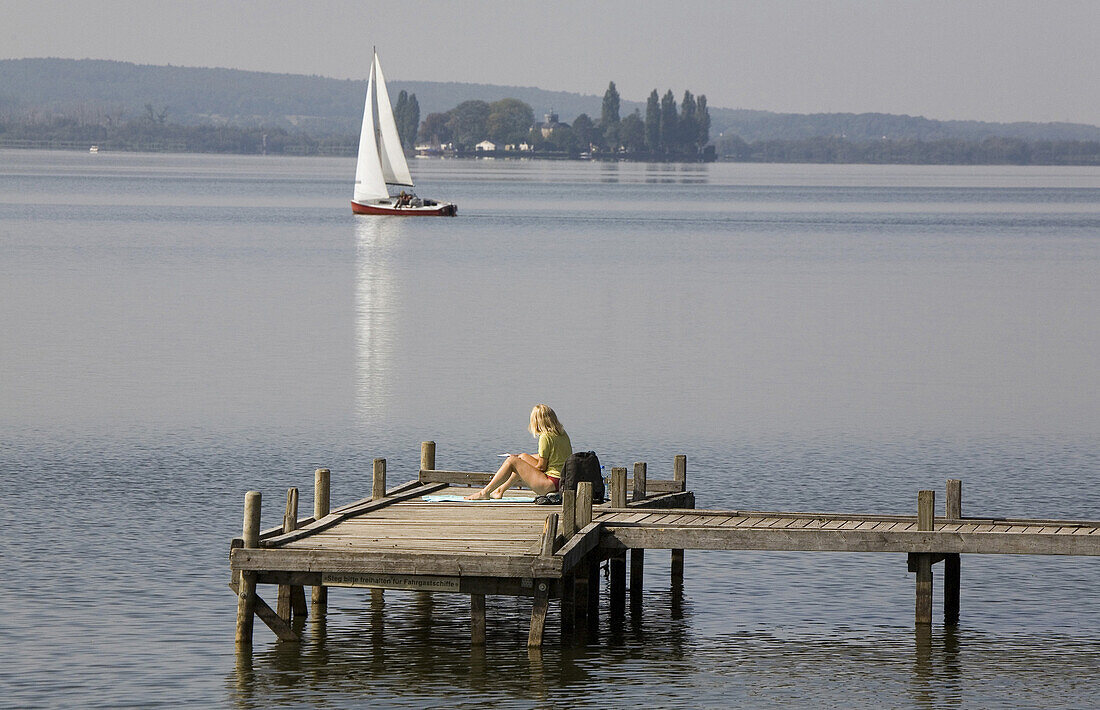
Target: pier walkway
{"points": [[397, 540]]}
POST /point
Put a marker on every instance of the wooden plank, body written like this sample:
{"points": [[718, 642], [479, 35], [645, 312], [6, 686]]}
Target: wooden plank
{"points": [[449, 563], [574, 551], [508, 586], [741, 538], [368, 580], [656, 486], [469, 478], [331, 519], [674, 501]]}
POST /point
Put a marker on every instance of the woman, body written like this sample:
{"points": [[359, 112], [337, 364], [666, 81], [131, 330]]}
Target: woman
{"points": [[540, 472]]}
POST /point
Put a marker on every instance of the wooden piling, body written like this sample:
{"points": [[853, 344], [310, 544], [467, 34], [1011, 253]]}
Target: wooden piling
{"points": [[926, 508], [285, 605], [593, 594], [679, 475], [538, 613], [378, 484], [584, 504], [639, 481], [954, 499], [568, 514], [637, 556], [952, 563], [549, 534], [477, 619], [581, 576], [321, 490], [427, 456], [246, 594], [618, 487]]}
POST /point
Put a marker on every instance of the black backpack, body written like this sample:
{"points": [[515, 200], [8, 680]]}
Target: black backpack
{"points": [[583, 466]]}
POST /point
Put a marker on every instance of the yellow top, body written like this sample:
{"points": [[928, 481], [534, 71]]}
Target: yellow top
{"points": [[555, 448]]}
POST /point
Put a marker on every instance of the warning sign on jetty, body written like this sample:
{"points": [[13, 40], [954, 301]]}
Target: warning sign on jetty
{"points": [[390, 581]]}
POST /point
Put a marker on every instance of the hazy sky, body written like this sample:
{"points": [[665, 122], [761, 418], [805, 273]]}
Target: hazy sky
{"points": [[1004, 61]]}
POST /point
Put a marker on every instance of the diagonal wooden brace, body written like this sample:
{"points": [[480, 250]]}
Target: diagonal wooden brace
{"points": [[269, 617]]}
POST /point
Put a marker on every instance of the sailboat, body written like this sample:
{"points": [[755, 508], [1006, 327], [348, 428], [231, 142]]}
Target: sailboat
{"points": [[382, 161]]}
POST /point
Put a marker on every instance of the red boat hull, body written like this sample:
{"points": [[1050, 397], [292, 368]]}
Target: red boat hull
{"points": [[443, 209]]}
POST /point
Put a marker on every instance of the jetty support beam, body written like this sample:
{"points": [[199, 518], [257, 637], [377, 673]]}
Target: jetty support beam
{"points": [[679, 475], [246, 592], [952, 562], [922, 561], [321, 489]]}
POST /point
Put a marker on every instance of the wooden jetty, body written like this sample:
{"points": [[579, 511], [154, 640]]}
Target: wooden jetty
{"points": [[396, 540]]}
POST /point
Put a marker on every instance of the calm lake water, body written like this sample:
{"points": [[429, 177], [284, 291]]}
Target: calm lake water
{"points": [[177, 330]]}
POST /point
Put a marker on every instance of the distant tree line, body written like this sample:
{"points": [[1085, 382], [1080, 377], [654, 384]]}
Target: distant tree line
{"points": [[665, 132], [948, 151], [509, 121], [153, 132]]}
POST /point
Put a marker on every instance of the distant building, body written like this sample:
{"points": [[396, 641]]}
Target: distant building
{"points": [[551, 124], [521, 147], [486, 146]]}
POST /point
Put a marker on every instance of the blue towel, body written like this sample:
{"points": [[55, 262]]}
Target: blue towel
{"points": [[460, 499]]}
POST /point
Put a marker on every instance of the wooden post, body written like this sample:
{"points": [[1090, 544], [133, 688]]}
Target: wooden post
{"points": [[477, 619], [952, 562], [954, 499], [584, 504], [321, 489], [617, 581], [283, 606], [926, 508], [568, 513], [679, 471], [951, 578], [679, 475], [549, 534], [639, 481], [618, 488], [581, 576], [568, 589], [593, 593], [427, 456], [538, 613], [378, 487], [246, 594], [637, 556], [567, 610]]}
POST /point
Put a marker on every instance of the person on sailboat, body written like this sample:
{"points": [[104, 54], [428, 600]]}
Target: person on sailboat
{"points": [[403, 199], [541, 472]]}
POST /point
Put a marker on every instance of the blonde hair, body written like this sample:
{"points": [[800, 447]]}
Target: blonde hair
{"points": [[543, 420]]}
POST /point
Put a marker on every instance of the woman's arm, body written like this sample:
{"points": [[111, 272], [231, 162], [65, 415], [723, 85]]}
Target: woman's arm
{"points": [[537, 461]]}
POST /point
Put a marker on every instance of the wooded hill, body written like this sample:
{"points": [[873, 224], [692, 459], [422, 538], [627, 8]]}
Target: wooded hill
{"points": [[98, 92]]}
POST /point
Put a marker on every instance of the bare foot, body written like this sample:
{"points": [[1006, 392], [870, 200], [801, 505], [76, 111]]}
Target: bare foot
{"points": [[497, 494], [480, 495]]}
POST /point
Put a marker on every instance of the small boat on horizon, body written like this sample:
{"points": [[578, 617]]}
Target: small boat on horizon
{"points": [[382, 161]]}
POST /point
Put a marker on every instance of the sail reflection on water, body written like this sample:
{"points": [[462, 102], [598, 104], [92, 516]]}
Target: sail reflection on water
{"points": [[375, 322]]}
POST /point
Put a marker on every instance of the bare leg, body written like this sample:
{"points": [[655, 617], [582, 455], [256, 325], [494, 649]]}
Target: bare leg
{"points": [[535, 479], [499, 492]]}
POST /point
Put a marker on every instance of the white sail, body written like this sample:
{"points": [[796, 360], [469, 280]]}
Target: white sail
{"points": [[395, 169], [370, 183]]}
